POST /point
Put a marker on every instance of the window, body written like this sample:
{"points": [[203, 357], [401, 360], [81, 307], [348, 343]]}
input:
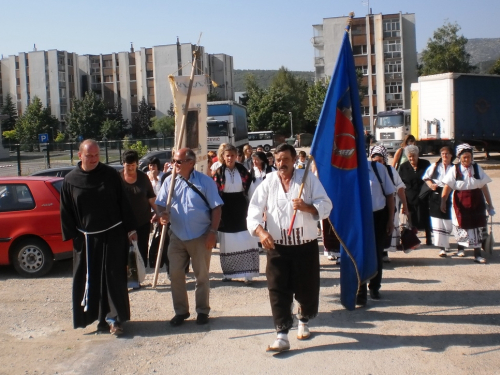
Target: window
{"points": [[62, 93], [149, 74], [393, 66], [71, 78], [107, 63], [62, 77], [18, 81], [392, 28], [393, 90], [365, 111], [108, 78], [359, 50], [70, 61], [392, 49], [15, 197], [17, 64]]}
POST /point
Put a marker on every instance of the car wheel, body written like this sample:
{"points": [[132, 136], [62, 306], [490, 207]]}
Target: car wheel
{"points": [[267, 148], [32, 258]]}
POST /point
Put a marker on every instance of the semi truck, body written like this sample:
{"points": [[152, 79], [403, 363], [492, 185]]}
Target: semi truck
{"points": [[451, 108], [391, 127], [226, 123]]}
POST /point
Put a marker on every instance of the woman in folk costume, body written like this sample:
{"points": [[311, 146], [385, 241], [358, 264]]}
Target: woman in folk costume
{"points": [[258, 172], [440, 221], [379, 154], [468, 212], [239, 255]]}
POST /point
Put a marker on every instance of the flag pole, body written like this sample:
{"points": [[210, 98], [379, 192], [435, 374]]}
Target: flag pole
{"points": [[308, 165], [174, 173]]}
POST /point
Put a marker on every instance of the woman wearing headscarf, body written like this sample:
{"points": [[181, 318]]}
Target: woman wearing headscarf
{"points": [[379, 154], [239, 255], [468, 213], [440, 221], [411, 173]]}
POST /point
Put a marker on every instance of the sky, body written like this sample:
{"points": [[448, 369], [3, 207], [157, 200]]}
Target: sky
{"points": [[258, 34]]}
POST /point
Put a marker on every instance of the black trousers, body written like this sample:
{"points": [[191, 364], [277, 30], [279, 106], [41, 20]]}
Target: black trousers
{"points": [[293, 270], [143, 240], [380, 222]]}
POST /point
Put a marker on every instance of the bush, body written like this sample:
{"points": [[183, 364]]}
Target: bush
{"points": [[139, 147]]}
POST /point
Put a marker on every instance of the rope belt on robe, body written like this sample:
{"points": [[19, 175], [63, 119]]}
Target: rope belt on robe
{"points": [[86, 234]]}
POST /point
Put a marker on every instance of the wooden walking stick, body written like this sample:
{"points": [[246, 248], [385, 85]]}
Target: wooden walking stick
{"points": [[308, 165], [174, 173]]}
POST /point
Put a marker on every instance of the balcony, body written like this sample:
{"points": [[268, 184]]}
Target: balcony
{"points": [[319, 61], [317, 41]]}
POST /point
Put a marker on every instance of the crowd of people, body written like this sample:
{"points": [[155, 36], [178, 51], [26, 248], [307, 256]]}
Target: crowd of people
{"points": [[248, 200]]}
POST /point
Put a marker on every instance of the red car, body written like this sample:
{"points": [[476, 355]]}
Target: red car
{"points": [[30, 224]]}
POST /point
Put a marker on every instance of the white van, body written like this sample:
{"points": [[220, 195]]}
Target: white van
{"points": [[264, 139]]}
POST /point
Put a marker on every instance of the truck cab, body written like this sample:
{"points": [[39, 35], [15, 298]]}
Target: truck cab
{"points": [[391, 127]]}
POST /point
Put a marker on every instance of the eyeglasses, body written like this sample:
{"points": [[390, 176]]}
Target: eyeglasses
{"points": [[180, 161]]}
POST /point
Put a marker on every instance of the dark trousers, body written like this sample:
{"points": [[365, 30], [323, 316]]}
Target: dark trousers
{"points": [[293, 270], [143, 240], [380, 223]]}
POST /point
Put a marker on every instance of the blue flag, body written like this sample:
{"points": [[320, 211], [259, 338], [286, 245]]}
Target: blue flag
{"points": [[338, 149]]}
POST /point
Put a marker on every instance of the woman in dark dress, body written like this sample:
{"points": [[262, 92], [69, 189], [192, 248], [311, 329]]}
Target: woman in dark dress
{"points": [[411, 172]]}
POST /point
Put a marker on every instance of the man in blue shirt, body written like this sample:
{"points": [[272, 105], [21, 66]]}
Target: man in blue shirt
{"points": [[194, 217]]}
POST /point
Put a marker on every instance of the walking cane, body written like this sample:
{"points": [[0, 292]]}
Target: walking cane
{"points": [[174, 173], [308, 165]]}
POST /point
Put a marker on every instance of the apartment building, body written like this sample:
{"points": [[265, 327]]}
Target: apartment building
{"points": [[384, 48], [58, 77]]}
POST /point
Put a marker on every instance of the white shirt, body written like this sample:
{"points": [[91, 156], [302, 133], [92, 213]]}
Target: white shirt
{"points": [[271, 195], [259, 177], [441, 172], [378, 197]]}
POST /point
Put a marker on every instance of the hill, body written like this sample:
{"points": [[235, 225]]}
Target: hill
{"points": [[264, 77]]}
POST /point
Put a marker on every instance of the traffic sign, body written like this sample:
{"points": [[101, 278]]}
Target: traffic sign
{"points": [[43, 138]]}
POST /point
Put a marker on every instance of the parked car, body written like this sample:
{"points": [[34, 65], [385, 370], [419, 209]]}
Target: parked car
{"points": [[63, 171], [30, 224], [163, 155]]}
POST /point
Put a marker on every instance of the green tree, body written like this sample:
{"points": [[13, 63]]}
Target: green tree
{"points": [[60, 137], [141, 124], [35, 120], [140, 148], [446, 52], [111, 129], [495, 69], [164, 125], [116, 114], [316, 94], [9, 109], [10, 134], [86, 117]]}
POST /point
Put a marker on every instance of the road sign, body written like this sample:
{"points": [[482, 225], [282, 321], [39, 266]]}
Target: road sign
{"points": [[43, 138]]}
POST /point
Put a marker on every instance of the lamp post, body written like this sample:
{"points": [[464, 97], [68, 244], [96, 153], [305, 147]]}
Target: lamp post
{"points": [[291, 124]]}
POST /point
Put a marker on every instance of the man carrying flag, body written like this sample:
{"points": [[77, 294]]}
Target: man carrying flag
{"points": [[339, 152]]}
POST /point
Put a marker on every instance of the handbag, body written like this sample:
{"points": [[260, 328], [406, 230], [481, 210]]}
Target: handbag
{"points": [[489, 242], [409, 239], [136, 272]]}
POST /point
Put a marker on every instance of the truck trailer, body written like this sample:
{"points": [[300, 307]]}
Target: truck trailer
{"points": [[226, 123], [452, 108]]}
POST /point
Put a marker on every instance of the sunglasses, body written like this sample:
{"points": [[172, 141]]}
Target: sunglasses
{"points": [[180, 161]]}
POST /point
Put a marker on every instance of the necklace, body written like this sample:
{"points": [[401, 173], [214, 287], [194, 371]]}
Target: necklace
{"points": [[231, 174]]}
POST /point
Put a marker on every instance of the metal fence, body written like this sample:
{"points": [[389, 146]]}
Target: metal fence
{"points": [[26, 159]]}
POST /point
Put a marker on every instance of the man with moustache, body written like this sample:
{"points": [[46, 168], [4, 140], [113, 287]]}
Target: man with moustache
{"points": [[292, 261], [97, 216]]}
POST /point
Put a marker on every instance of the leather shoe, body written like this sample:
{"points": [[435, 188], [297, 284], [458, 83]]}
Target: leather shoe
{"points": [[375, 294], [115, 329], [278, 346], [179, 319], [202, 318], [360, 301]]}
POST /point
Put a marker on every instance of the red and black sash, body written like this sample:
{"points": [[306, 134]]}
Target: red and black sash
{"points": [[469, 205]]}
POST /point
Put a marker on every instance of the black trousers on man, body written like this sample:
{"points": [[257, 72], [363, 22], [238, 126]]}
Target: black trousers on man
{"points": [[380, 223], [293, 270]]}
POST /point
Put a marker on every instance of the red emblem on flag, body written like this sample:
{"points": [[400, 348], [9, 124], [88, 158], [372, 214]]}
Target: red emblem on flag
{"points": [[344, 143]]}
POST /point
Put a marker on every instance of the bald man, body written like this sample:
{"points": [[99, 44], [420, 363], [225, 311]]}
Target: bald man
{"points": [[97, 216]]}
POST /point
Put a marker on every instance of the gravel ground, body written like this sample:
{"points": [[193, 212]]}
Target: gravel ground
{"points": [[437, 315]]}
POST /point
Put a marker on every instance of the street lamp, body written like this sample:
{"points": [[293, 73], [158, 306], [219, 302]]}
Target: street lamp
{"points": [[291, 123]]}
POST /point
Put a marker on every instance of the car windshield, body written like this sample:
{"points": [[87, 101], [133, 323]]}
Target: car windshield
{"points": [[58, 185], [217, 128], [388, 121]]}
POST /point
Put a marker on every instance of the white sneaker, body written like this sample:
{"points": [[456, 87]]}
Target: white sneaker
{"points": [[442, 253], [480, 260], [461, 253], [326, 253], [279, 345], [303, 332]]}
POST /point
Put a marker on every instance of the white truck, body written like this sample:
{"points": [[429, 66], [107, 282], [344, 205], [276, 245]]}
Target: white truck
{"points": [[391, 127], [226, 123]]}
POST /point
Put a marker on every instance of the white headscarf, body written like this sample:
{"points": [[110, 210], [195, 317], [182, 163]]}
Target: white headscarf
{"points": [[464, 147], [381, 150]]}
